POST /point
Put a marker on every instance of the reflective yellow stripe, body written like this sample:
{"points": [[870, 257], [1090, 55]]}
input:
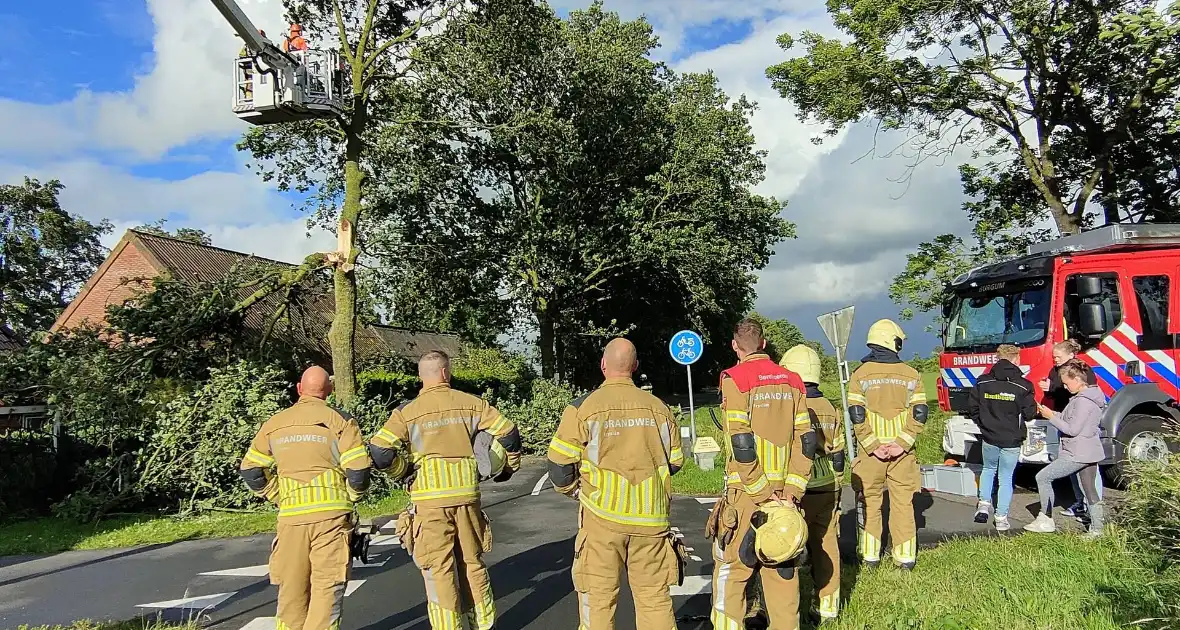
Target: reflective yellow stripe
{"points": [[441, 478], [803, 419], [829, 605], [822, 473], [772, 458], [677, 456], [325, 492], [352, 454], [611, 496], [797, 481], [918, 399], [259, 458], [388, 437], [758, 486], [500, 427], [562, 447], [905, 437], [856, 398], [737, 416]]}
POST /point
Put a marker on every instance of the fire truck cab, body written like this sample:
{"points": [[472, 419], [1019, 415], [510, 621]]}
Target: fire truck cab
{"points": [[1116, 291]]}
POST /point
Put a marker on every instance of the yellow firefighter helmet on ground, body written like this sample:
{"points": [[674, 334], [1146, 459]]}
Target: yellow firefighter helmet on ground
{"points": [[887, 334], [804, 361], [782, 537]]}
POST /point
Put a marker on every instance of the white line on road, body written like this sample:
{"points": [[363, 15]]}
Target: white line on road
{"points": [[689, 549], [390, 526], [384, 539], [260, 570], [707, 500], [357, 564], [200, 602], [352, 586], [693, 585], [540, 484], [696, 558], [260, 623]]}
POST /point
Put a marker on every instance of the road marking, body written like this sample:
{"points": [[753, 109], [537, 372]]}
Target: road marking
{"points": [[260, 623], [693, 585], [383, 540], [391, 525], [706, 500], [675, 529], [200, 602], [689, 549], [697, 558], [357, 564], [540, 484], [352, 586], [260, 570], [678, 534]]}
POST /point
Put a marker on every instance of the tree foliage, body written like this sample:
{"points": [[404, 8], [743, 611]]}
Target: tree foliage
{"points": [[192, 235], [597, 193], [46, 255]]}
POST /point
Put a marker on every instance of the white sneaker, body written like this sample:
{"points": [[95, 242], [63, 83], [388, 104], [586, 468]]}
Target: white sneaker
{"points": [[1002, 524], [982, 511], [1042, 525]]}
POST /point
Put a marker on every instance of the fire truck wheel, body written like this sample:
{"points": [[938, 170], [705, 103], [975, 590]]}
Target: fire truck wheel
{"points": [[1142, 438]]}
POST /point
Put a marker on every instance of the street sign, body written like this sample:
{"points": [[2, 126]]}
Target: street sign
{"points": [[837, 326], [686, 347]]}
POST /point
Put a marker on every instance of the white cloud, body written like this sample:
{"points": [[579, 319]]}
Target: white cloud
{"points": [[185, 95]]}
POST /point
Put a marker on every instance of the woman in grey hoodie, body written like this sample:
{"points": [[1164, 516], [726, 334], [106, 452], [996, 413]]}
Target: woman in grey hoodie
{"points": [[1081, 447]]}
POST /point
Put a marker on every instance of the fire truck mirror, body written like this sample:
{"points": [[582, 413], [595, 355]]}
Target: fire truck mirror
{"points": [[1092, 319], [1089, 286]]}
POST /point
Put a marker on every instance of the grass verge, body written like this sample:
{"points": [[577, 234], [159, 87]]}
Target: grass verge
{"points": [[1058, 582], [52, 535]]}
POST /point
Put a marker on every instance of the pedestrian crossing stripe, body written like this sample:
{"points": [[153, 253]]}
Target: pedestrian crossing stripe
{"points": [[201, 602], [706, 500], [260, 570], [693, 585]]}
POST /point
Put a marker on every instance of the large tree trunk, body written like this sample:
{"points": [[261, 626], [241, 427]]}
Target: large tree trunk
{"points": [[545, 339], [343, 333]]}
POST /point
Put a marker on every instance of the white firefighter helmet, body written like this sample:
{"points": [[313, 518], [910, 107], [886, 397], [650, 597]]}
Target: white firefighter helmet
{"points": [[782, 537], [887, 334], [804, 361]]}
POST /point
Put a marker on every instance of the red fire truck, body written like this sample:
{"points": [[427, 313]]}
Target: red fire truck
{"points": [[1115, 291]]}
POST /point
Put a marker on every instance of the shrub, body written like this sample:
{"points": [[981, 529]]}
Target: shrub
{"points": [[28, 464], [487, 372], [538, 415], [1151, 510]]}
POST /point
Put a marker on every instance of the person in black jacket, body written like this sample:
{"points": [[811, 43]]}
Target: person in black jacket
{"points": [[1000, 403], [1056, 398]]}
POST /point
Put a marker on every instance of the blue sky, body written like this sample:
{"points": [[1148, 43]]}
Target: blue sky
{"points": [[126, 102]]}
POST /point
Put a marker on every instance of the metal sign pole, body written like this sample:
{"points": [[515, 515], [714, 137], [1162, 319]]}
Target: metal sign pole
{"points": [[692, 413], [837, 327], [842, 368]]}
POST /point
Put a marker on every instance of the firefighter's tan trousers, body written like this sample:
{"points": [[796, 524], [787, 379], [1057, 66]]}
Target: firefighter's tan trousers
{"points": [[822, 510], [871, 477], [730, 576], [449, 544], [601, 555], [309, 563]]}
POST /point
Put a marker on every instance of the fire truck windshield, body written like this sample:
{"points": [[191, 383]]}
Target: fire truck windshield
{"points": [[1012, 312]]}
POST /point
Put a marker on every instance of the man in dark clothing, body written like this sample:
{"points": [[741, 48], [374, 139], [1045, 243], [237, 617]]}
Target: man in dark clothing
{"points": [[1000, 403]]}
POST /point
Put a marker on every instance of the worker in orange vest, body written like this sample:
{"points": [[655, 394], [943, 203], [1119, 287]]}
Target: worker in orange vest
{"points": [[295, 40]]}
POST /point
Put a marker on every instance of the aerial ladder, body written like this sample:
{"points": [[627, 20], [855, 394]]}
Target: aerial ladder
{"points": [[276, 86]]}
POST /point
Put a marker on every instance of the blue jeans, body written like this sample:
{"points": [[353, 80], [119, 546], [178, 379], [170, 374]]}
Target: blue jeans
{"points": [[1004, 460]]}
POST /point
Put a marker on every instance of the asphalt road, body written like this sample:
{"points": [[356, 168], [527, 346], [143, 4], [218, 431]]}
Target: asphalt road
{"points": [[224, 583]]}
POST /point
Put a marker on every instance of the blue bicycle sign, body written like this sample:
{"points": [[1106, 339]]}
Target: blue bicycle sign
{"points": [[686, 347]]}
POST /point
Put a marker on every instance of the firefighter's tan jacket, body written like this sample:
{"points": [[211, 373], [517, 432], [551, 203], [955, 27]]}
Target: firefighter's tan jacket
{"points": [[830, 436], [616, 450], [439, 427], [315, 449], [762, 400], [888, 392]]}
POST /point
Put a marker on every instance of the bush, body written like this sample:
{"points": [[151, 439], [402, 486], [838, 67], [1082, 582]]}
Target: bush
{"points": [[1150, 514], [486, 372], [28, 464], [538, 415]]}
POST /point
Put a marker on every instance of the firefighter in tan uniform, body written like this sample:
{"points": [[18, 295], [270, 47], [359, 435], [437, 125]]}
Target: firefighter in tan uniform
{"points": [[887, 405], [449, 441], [311, 460], [616, 450], [771, 446], [821, 504]]}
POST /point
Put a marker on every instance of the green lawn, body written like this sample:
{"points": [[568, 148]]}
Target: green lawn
{"points": [[694, 481], [51, 535], [1034, 582], [134, 624]]}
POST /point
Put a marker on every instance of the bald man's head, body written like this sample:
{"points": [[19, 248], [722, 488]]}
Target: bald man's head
{"points": [[434, 368], [619, 360], [315, 383]]}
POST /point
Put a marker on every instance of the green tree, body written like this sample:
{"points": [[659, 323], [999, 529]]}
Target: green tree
{"points": [[1069, 105], [192, 235], [327, 159], [603, 195], [46, 255]]}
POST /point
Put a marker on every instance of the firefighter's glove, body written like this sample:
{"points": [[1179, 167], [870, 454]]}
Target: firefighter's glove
{"points": [[729, 525], [838, 461]]}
